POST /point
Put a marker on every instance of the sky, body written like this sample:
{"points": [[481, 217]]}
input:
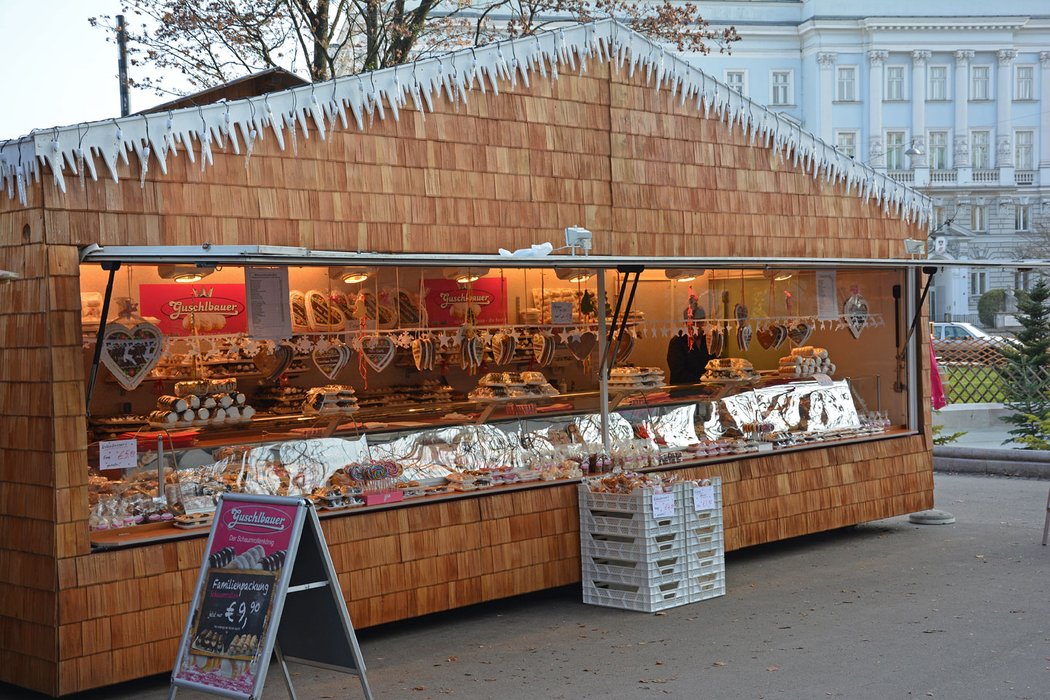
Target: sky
{"points": [[55, 68]]}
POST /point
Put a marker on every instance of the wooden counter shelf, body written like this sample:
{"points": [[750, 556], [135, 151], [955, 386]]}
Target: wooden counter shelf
{"points": [[152, 533]]}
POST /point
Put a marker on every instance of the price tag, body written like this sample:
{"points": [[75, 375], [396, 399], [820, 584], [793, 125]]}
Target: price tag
{"points": [[704, 498], [118, 454], [561, 313], [663, 505], [822, 379]]}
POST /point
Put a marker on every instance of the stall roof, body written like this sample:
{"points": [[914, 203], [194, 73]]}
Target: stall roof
{"points": [[321, 107], [289, 255]]}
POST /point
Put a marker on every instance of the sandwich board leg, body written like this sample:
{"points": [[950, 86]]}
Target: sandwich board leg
{"points": [[284, 671]]}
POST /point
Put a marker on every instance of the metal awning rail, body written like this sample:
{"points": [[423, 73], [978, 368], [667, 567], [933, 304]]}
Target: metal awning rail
{"points": [[209, 255]]}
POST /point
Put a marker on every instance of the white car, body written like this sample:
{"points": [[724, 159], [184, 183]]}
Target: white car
{"points": [[958, 341]]}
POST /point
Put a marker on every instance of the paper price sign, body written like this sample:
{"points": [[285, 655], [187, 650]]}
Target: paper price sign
{"points": [[118, 454], [823, 379], [704, 498], [561, 313], [663, 505]]}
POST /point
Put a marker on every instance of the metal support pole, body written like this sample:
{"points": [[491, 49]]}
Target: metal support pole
{"points": [[603, 374], [112, 267]]}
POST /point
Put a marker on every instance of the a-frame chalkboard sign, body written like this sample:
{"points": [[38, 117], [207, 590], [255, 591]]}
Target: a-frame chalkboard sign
{"points": [[266, 588]]}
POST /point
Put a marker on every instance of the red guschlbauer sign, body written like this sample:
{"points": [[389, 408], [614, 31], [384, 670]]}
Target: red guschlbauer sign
{"points": [[201, 309]]}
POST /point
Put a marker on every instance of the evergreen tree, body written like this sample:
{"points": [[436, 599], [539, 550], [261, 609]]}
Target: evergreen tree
{"points": [[1027, 370]]}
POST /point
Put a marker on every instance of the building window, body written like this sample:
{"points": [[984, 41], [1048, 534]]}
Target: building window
{"points": [[894, 82], [847, 84], [1021, 221], [978, 283], [1023, 141], [781, 89], [1025, 81], [978, 218], [937, 220], [980, 157], [846, 143], [1023, 281], [938, 88], [980, 83], [736, 79], [939, 150], [895, 150]]}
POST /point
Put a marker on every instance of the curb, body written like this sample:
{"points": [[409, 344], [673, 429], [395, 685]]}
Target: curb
{"points": [[1030, 464]]}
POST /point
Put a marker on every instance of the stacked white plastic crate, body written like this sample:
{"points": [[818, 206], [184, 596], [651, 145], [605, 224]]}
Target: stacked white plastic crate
{"points": [[636, 560]]}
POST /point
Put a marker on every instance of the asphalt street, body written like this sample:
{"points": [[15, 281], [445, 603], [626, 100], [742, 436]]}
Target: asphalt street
{"points": [[882, 610]]}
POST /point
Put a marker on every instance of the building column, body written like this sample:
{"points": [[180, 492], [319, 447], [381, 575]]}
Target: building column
{"points": [[1044, 120], [876, 144], [961, 99], [826, 62], [919, 163], [1003, 132]]}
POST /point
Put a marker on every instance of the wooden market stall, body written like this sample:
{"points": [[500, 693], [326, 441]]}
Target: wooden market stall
{"points": [[592, 125]]}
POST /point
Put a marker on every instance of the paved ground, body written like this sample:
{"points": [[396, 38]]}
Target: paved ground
{"points": [[883, 610]]}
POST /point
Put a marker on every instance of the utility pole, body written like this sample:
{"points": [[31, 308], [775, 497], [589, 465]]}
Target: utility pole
{"points": [[122, 66]]}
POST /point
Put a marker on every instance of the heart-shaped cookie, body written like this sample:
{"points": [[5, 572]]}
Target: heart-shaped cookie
{"points": [[740, 311], [331, 361], [543, 345], [470, 352], [856, 312], [378, 351], [623, 353], [322, 314], [129, 353], [743, 337], [765, 337], [300, 320], [716, 341], [800, 332], [423, 353], [503, 347], [273, 363], [582, 347]]}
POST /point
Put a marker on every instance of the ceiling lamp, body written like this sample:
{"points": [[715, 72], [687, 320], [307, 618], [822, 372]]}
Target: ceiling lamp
{"points": [[777, 275], [683, 275], [184, 274], [466, 275], [573, 274], [351, 275]]}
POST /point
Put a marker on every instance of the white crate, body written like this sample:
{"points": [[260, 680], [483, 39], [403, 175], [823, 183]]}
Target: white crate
{"points": [[632, 548], [636, 572], [627, 513], [661, 596], [706, 586], [608, 522]]}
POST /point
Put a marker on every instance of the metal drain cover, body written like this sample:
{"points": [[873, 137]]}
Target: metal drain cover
{"points": [[932, 517]]}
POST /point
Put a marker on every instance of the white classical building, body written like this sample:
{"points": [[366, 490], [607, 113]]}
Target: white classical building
{"points": [[940, 94]]}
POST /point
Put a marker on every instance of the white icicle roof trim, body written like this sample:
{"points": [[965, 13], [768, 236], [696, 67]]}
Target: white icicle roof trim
{"points": [[357, 98]]}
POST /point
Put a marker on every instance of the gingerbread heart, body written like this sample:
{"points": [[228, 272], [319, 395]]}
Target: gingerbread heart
{"points": [[322, 314], [130, 353], [470, 353], [716, 342], [273, 363], [582, 347], [856, 312], [623, 353], [423, 353], [300, 321], [543, 345], [743, 337], [331, 361], [800, 332], [740, 311], [503, 347], [765, 337], [378, 351]]}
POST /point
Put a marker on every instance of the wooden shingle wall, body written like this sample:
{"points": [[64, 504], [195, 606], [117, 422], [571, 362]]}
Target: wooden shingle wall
{"points": [[646, 175]]}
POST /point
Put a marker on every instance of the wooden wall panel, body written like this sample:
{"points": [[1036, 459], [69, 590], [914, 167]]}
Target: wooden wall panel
{"points": [[647, 175]]}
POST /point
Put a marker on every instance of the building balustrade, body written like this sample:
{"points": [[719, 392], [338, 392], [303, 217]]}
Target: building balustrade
{"points": [[1024, 177]]}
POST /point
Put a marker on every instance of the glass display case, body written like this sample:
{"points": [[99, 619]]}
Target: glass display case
{"points": [[424, 384]]}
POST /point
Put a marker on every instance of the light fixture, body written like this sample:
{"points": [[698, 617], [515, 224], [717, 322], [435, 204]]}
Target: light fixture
{"points": [[683, 275], [573, 274], [777, 275], [913, 150], [350, 275], [185, 274], [914, 247], [466, 275]]}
